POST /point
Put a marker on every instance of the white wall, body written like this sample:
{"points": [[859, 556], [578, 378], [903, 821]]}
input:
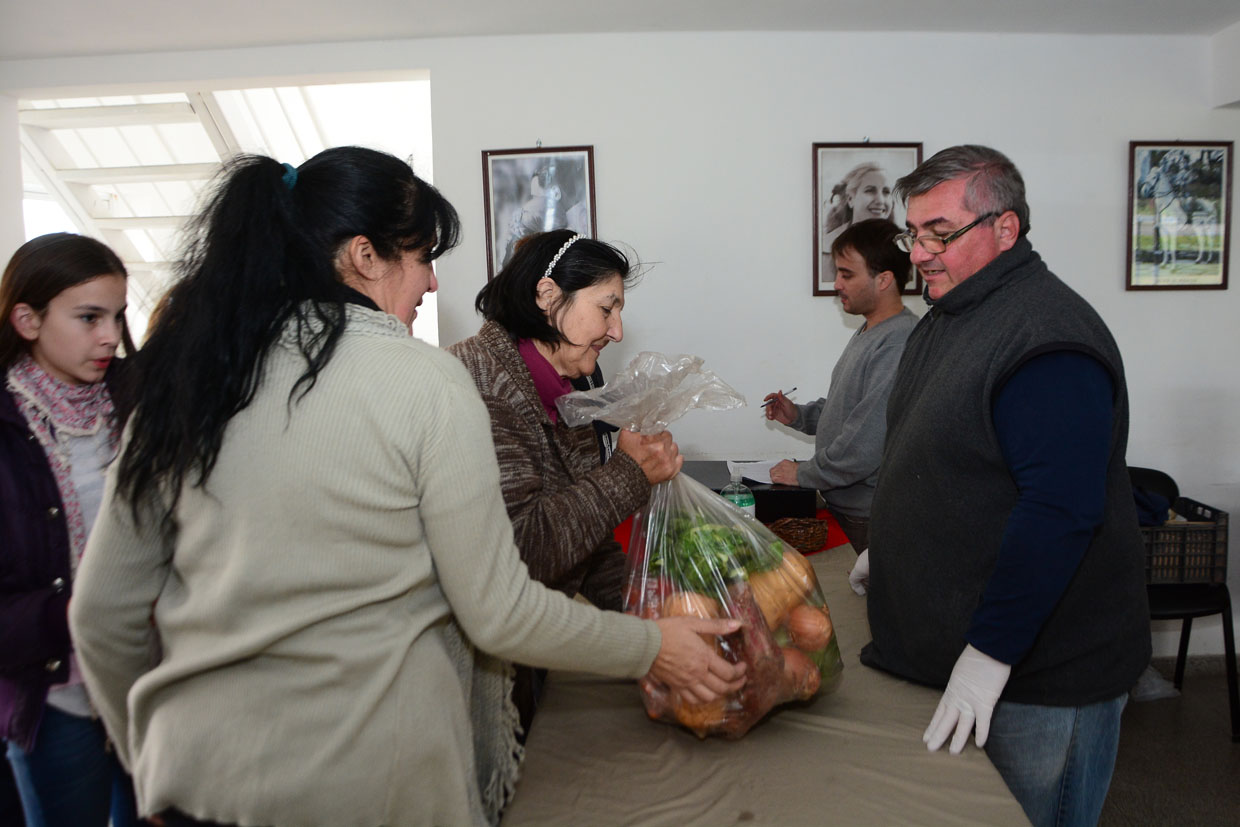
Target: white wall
{"points": [[11, 235], [702, 154], [1225, 66]]}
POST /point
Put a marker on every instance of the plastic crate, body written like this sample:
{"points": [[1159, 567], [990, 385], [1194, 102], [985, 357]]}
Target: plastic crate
{"points": [[1194, 551]]}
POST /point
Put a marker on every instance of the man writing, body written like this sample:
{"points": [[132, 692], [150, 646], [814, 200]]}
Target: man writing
{"points": [[849, 424], [1006, 562]]}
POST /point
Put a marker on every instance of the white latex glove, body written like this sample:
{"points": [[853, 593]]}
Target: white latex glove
{"points": [[859, 577], [972, 691]]}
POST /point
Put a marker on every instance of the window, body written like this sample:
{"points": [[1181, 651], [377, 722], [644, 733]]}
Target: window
{"points": [[130, 169]]}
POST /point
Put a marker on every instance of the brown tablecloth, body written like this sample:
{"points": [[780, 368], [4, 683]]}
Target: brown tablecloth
{"points": [[851, 757]]}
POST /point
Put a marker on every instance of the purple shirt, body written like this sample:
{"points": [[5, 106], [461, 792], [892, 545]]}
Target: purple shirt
{"points": [[547, 380]]}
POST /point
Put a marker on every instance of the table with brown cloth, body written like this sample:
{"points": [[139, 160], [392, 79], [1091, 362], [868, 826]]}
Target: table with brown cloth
{"points": [[851, 757]]}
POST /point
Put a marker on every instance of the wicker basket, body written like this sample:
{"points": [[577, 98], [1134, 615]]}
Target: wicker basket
{"points": [[805, 534]]}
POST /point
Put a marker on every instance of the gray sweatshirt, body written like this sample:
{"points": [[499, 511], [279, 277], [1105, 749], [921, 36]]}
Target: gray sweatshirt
{"points": [[850, 424]]}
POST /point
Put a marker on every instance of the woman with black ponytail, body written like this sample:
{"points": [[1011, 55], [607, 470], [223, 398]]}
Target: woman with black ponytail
{"points": [[307, 504]]}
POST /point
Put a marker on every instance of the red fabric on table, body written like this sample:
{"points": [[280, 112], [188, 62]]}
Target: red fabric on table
{"points": [[622, 533], [835, 534]]}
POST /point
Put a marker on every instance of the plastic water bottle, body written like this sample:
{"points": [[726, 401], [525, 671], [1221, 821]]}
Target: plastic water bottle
{"points": [[739, 495]]}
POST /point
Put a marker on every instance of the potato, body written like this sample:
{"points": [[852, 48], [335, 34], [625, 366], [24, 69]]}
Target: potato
{"points": [[783, 587], [693, 604], [801, 676], [700, 718], [690, 604]]}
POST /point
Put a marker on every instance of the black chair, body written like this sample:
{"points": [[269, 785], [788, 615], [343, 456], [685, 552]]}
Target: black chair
{"points": [[1185, 601]]}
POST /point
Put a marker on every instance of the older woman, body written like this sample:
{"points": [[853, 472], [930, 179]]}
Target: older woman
{"points": [[549, 314], [311, 503]]}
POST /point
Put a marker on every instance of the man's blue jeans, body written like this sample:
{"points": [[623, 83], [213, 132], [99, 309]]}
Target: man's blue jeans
{"points": [[72, 777], [1057, 760]]}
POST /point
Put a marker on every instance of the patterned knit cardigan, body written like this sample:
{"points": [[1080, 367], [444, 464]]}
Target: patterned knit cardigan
{"points": [[564, 503]]}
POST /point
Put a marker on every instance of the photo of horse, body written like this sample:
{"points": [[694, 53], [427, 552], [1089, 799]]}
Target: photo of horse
{"points": [[1179, 211]]}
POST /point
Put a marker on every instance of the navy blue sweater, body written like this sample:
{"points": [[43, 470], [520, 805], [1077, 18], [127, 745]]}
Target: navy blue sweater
{"points": [[1053, 422]]}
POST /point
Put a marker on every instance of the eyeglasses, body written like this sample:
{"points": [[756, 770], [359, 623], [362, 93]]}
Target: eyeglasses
{"points": [[935, 244]]}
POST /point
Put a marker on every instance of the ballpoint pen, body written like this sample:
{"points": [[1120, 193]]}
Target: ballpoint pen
{"points": [[769, 401]]}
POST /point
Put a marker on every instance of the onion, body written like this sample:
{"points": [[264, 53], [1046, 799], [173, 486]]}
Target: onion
{"points": [[810, 627]]}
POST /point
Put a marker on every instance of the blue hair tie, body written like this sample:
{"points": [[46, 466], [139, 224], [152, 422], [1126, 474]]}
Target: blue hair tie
{"points": [[290, 176]]}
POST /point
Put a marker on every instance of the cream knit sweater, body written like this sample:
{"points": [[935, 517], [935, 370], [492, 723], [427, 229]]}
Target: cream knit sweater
{"points": [[303, 604]]}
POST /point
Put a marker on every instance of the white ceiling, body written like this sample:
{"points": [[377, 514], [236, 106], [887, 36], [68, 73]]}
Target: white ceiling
{"points": [[60, 28]]}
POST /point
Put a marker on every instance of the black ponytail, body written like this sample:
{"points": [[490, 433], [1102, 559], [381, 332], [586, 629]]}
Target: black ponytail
{"points": [[261, 256]]}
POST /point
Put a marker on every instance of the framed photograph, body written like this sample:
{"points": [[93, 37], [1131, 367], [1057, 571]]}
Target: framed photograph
{"points": [[534, 190], [853, 182], [1179, 214]]}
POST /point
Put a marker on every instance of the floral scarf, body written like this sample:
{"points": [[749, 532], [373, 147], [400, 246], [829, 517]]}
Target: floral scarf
{"points": [[56, 411]]}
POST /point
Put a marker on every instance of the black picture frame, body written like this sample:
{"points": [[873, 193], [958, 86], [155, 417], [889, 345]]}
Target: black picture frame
{"points": [[840, 170], [534, 190]]}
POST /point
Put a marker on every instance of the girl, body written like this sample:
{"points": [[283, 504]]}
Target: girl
{"points": [[63, 303]]}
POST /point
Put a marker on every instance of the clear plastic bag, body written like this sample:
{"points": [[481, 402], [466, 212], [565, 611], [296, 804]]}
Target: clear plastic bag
{"points": [[694, 553], [653, 391]]}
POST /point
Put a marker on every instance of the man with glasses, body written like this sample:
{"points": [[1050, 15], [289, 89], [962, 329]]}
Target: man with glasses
{"points": [[1006, 563]]}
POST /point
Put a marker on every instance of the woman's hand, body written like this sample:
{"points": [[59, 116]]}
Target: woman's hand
{"points": [[782, 409], [657, 454], [689, 665]]}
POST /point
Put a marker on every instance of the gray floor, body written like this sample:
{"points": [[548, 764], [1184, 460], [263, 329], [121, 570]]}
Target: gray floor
{"points": [[1177, 763]]}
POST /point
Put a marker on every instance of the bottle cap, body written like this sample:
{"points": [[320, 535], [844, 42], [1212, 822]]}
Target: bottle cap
{"points": [[736, 475]]}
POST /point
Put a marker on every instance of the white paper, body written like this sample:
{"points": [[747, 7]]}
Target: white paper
{"points": [[759, 471]]}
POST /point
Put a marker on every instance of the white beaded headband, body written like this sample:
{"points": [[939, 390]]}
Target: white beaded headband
{"points": [[556, 258]]}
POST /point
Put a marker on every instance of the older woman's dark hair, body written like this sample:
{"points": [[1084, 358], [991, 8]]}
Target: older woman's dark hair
{"points": [[41, 270], [259, 258], [510, 299]]}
